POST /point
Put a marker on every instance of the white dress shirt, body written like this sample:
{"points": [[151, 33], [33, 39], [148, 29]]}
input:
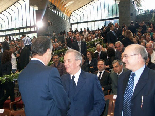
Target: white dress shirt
{"points": [[99, 73], [76, 76], [37, 59]]}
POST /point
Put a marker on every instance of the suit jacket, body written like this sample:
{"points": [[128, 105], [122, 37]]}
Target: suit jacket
{"points": [[24, 57], [114, 82], [92, 67], [83, 47], [145, 87], [42, 91], [88, 99], [111, 38], [5, 45], [105, 82], [69, 42], [103, 55]]}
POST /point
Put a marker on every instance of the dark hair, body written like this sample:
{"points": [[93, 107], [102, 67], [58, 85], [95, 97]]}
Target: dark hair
{"points": [[6, 56], [110, 52], [91, 53], [101, 60], [40, 45], [55, 55]]}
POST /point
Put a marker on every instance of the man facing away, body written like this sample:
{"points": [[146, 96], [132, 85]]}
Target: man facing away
{"points": [[136, 88], [40, 85], [83, 88]]}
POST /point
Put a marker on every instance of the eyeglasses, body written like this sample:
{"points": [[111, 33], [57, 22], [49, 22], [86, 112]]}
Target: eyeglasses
{"points": [[126, 56]]}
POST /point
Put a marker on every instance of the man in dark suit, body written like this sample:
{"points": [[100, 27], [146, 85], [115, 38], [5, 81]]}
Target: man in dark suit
{"points": [[136, 88], [5, 44], [114, 75], [79, 45], [40, 85], [132, 28], [111, 35], [99, 54], [103, 77], [24, 55], [69, 39], [83, 88]]}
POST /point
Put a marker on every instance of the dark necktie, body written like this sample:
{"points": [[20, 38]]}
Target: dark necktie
{"points": [[127, 96], [99, 77], [72, 87], [73, 82]]}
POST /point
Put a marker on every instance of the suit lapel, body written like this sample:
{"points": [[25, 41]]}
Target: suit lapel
{"points": [[67, 84], [81, 82], [125, 81], [141, 83]]}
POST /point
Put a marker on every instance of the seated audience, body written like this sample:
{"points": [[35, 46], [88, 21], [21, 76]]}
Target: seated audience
{"points": [[103, 77]]}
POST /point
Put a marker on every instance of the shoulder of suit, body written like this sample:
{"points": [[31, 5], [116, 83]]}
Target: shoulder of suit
{"points": [[87, 74]]}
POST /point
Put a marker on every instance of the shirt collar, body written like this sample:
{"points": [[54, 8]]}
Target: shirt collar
{"points": [[76, 76], [139, 71], [137, 76], [120, 72], [37, 59], [101, 71]]}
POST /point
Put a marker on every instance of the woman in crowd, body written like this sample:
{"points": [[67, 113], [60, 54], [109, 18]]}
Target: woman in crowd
{"points": [[8, 85], [90, 63]]}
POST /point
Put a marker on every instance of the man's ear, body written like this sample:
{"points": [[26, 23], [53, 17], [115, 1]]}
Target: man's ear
{"points": [[78, 62], [48, 50]]}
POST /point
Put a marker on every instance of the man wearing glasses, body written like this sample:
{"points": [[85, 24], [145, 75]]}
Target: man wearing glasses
{"points": [[136, 88]]}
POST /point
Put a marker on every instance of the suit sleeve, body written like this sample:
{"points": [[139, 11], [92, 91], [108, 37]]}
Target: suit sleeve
{"points": [[99, 101], [58, 93]]}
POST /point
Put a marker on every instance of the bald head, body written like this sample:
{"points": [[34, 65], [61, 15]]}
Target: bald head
{"points": [[134, 57]]}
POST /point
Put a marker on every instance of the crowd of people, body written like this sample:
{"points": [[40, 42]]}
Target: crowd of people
{"points": [[106, 64]]}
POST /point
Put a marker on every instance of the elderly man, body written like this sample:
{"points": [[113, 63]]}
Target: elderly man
{"points": [[136, 88], [83, 89], [119, 50], [40, 85], [99, 54], [149, 48]]}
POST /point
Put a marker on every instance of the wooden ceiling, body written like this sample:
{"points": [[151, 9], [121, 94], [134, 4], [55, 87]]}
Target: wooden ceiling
{"points": [[4, 4], [68, 6]]}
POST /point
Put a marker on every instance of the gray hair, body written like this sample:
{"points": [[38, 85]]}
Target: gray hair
{"points": [[118, 42], [98, 45], [119, 62], [151, 44], [77, 54]]}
